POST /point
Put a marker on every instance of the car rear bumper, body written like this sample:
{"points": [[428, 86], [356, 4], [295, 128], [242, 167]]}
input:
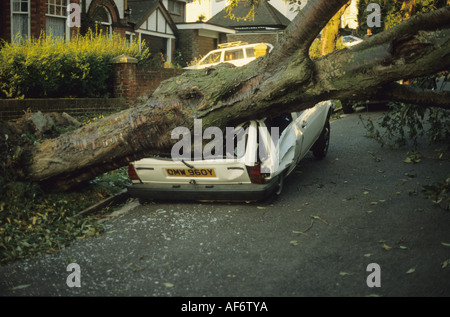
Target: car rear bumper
{"points": [[203, 192]]}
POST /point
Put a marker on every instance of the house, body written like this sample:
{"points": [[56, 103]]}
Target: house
{"points": [[166, 30], [208, 9], [196, 39], [161, 24], [24, 18], [267, 25], [151, 22], [270, 17]]}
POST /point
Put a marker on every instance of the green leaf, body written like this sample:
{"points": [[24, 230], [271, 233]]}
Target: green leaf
{"points": [[411, 270], [445, 244], [20, 287], [344, 273], [318, 218], [386, 247]]}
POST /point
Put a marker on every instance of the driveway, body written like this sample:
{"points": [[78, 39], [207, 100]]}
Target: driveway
{"points": [[361, 205]]}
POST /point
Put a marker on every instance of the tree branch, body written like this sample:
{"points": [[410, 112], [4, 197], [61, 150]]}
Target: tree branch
{"points": [[431, 21], [422, 97], [305, 27], [284, 81]]}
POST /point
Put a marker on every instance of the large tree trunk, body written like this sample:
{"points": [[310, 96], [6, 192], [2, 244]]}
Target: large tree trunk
{"points": [[286, 80]]}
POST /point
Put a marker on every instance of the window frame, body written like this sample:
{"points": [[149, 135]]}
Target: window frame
{"points": [[172, 6], [108, 24], [64, 8], [14, 13]]}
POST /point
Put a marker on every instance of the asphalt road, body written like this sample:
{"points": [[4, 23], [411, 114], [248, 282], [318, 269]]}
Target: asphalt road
{"points": [[362, 204]]}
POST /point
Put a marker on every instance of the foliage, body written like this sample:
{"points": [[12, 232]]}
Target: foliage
{"points": [[395, 11], [314, 49], [33, 221], [252, 4], [409, 122], [406, 123], [195, 61], [50, 67], [439, 193], [201, 18]]}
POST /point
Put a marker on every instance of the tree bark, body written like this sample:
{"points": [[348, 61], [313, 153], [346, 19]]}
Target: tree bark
{"points": [[284, 81]]}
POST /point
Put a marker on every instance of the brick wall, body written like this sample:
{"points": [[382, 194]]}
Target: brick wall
{"points": [[133, 84], [5, 21], [188, 44], [149, 78], [15, 108], [38, 9], [136, 83]]}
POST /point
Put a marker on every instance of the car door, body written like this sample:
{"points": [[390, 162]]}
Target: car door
{"points": [[311, 124], [280, 137]]}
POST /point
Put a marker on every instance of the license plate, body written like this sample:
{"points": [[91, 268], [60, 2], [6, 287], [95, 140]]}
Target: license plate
{"points": [[190, 172]]}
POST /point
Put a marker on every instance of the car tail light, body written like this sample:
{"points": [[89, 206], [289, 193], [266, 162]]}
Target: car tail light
{"points": [[254, 172], [133, 175]]}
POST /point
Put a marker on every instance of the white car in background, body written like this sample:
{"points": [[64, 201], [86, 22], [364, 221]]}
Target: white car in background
{"points": [[242, 175], [236, 53], [350, 40]]}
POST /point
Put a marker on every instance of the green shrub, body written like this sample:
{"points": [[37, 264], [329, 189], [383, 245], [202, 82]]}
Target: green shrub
{"points": [[49, 67]]}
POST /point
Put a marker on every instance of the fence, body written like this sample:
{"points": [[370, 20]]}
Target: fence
{"points": [[15, 108]]}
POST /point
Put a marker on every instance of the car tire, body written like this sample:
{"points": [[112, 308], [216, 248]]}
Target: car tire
{"points": [[320, 148], [280, 183]]}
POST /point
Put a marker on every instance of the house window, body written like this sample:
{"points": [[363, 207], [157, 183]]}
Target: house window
{"points": [[56, 19], [20, 18], [174, 7], [103, 20]]}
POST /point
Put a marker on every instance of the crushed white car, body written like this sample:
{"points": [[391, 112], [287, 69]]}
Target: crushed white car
{"points": [[254, 171]]}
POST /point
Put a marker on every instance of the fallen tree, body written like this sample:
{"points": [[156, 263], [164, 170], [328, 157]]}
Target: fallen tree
{"points": [[283, 81]]}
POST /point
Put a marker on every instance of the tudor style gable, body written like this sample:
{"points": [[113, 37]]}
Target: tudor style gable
{"points": [[152, 23]]}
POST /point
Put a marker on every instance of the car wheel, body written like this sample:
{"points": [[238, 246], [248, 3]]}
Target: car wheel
{"points": [[320, 148], [280, 183]]}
